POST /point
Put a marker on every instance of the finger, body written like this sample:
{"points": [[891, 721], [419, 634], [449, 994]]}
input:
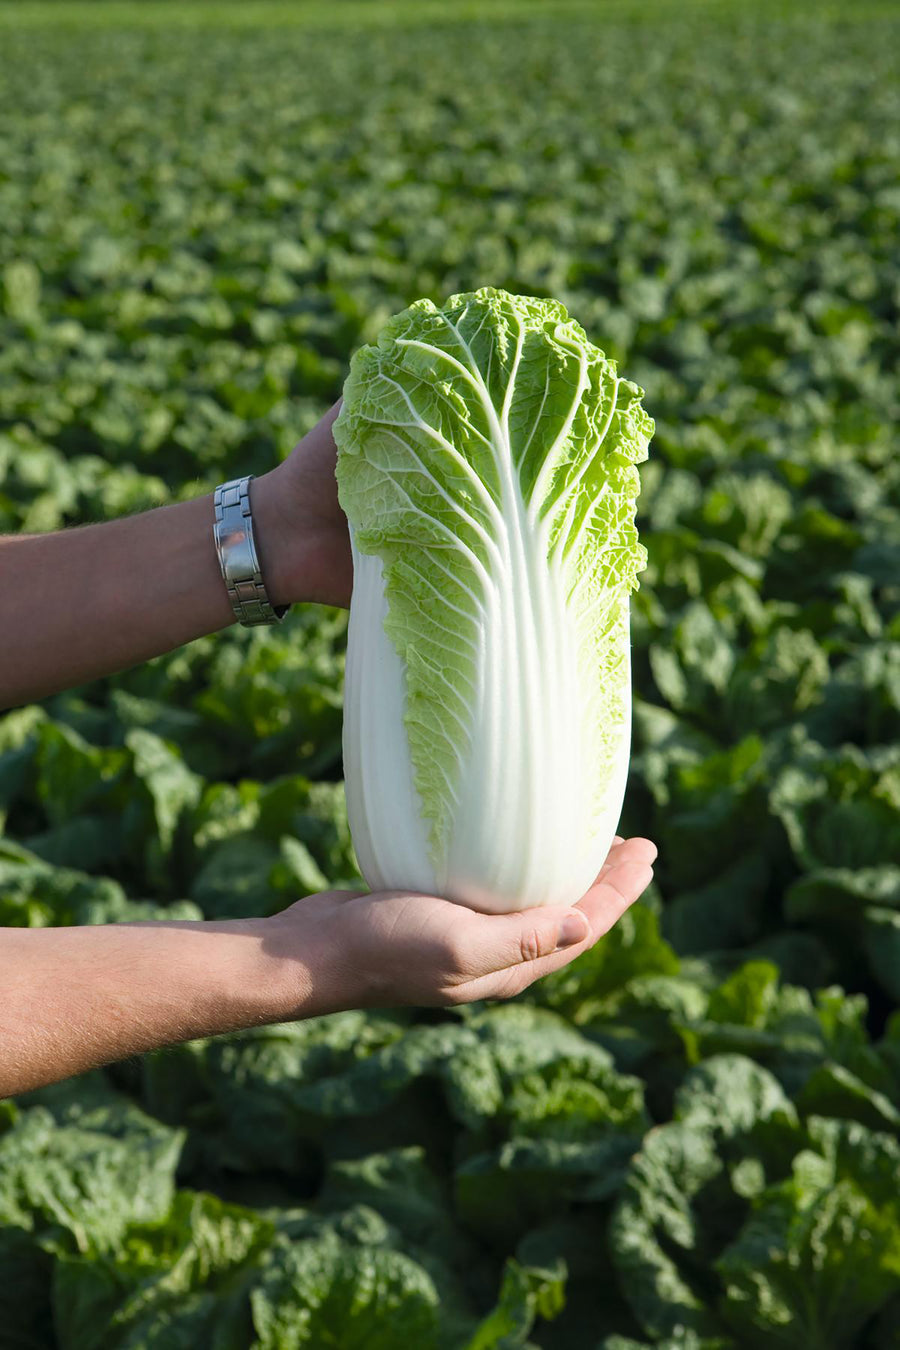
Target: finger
{"points": [[610, 896], [603, 906], [493, 942], [613, 853], [628, 850], [513, 950]]}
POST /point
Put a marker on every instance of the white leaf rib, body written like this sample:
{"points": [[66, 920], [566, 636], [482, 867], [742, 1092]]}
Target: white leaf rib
{"points": [[441, 440], [473, 378], [448, 632], [537, 419], [586, 464], [479, 603], [424, 581], [568, 546], [479, 529], [466, 422], [472, 336], [429, 347], [487, 402], [538, 489], [455, 543], [474, 368], [438, 673], [511, 382]]}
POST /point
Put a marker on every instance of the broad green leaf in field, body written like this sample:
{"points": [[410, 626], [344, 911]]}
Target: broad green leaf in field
{"points": [[841, 808], [821, 1252], [80, 1188], [75, 777], [725, 912], [732, 1096], [819, 1049], [683, 1192], [526, 1293], [172, 787], [360, 1297], [185, 285], [502, 1193], [163, 1277], [400, 1185], [657, 1241], [34, 894]]}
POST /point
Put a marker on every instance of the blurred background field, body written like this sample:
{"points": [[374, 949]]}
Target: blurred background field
{"points": [[204, 209]]}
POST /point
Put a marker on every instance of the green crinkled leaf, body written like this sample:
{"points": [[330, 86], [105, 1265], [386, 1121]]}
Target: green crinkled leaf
{"points": [[656, 1239], [822, 1042], [503, 1192], [730, 1095], [821, 1252], [526, 1293], [832, 1090], [72, 775], [255, 1094], [172, 787], [169, 1279], [400, 1185], [236, 878], [680, 1200], [726, 912], [325, 1291], [841, 809], [839, 894], [633, 947], [78, 1189]]}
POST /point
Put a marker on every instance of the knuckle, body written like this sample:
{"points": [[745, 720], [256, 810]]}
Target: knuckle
{"points": [[531, 944], [453, 954], [512, 983]]}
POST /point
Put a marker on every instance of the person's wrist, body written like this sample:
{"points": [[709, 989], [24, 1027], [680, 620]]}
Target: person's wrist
{"points": [[280, 536], [241, 981], [305, 975], [304, 554]]}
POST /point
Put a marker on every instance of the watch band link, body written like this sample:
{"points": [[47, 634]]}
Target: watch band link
{"points": [[238, 559]]}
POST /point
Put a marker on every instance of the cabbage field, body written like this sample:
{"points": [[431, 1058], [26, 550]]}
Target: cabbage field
{"points": [[690, 1137]]}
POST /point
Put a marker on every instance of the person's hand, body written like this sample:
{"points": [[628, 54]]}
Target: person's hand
{"points": [[343, 949], [301, 531], [76, 997]]}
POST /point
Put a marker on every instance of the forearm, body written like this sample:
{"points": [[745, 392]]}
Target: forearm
{"points": [[74, 998], [87, 602]]}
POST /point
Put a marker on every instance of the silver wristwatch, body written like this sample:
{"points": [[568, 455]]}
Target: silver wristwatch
{"points": [[233, 533]]}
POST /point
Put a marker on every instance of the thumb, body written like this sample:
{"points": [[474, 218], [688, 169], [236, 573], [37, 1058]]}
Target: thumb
{"points": [[530, 934]]}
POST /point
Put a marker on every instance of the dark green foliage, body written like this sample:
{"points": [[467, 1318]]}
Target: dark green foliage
{"points": [[689, 1138]]}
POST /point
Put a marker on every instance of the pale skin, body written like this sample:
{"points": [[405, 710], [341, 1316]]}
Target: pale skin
{"points": [[99, 599]]}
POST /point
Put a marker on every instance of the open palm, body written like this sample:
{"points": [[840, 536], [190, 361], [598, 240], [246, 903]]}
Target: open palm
{"points": [[397, 947]]}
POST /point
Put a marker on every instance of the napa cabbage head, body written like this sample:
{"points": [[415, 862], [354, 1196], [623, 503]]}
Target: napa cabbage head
{"points": [[486, 465]]}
